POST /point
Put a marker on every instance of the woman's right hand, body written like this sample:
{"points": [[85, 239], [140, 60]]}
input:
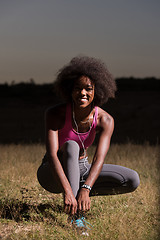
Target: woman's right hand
{"points": [[70, 203]]}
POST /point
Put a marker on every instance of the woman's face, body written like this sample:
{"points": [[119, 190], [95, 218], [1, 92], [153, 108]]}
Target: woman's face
{"points": [[83, 92]]}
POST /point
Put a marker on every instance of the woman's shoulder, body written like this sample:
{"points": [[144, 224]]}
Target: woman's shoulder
{"points": [[104, 119], [56, 115]]}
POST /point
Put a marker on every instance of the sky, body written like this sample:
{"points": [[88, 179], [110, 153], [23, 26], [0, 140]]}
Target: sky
{"points": [[38, 37]]}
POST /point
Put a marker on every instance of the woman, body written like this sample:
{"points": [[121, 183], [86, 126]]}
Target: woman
{"points": [[86, 84]]}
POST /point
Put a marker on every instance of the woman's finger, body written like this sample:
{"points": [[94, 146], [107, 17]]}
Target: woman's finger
{"points": [[84, 206], [79, 206], [67, 208], [73, 210], [89, 205]]}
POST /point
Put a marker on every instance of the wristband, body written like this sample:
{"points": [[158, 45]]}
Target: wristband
{"points": [[86, 186]]}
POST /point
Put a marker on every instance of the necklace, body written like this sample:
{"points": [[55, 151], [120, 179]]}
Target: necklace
{"points": [[88, 120], [82, 141]]}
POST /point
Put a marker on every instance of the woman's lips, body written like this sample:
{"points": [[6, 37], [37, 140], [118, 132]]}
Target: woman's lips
{"points": [[83, 100]]}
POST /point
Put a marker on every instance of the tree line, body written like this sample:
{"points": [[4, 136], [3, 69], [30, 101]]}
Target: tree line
{"points": [[33, 89]]}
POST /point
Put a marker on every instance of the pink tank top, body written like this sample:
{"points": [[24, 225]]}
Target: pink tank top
{"points": [[68, 133]]}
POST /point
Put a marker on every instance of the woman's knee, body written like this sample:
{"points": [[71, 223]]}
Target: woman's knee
{"points": [[46, 179], [134, 181], [71, 148]]}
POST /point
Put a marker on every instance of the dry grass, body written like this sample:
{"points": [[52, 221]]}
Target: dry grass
{"points": [[29, 212]]}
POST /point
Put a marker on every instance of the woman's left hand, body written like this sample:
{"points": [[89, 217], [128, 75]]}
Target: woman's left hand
{"points": [[83, 200]]}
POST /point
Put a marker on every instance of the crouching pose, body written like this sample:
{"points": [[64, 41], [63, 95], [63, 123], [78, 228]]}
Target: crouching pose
{"points": [[86, 84]]}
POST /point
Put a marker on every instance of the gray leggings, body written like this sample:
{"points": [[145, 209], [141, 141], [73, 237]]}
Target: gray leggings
{"points": [[113, 179]]}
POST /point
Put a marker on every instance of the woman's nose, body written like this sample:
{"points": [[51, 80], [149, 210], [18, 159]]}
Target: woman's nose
{"points": [[83, 92]]}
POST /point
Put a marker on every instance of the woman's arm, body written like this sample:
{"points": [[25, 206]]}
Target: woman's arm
{"points": [[52, 124], [106, 126]]}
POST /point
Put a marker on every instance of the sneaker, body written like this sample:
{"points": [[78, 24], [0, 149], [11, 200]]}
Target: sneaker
{"points": [[82, 226]]}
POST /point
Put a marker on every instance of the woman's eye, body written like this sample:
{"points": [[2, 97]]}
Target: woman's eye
{"points": [[89, 89]]}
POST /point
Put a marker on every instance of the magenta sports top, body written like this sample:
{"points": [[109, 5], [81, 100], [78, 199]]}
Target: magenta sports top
{"points": [[68, 133]]}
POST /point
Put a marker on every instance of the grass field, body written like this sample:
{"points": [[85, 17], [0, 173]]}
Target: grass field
{"points": [[29, 212]]}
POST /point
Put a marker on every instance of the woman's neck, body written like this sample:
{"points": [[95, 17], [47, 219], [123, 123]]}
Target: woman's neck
{"points": [[82, 114]]}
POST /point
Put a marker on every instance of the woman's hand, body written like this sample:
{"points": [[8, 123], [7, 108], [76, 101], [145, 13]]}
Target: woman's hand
{"points": [[83, 199], [70, 203]]}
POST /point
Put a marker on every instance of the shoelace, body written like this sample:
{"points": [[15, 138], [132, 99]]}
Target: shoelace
{"points": [[86, 223], [81, 222]]}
